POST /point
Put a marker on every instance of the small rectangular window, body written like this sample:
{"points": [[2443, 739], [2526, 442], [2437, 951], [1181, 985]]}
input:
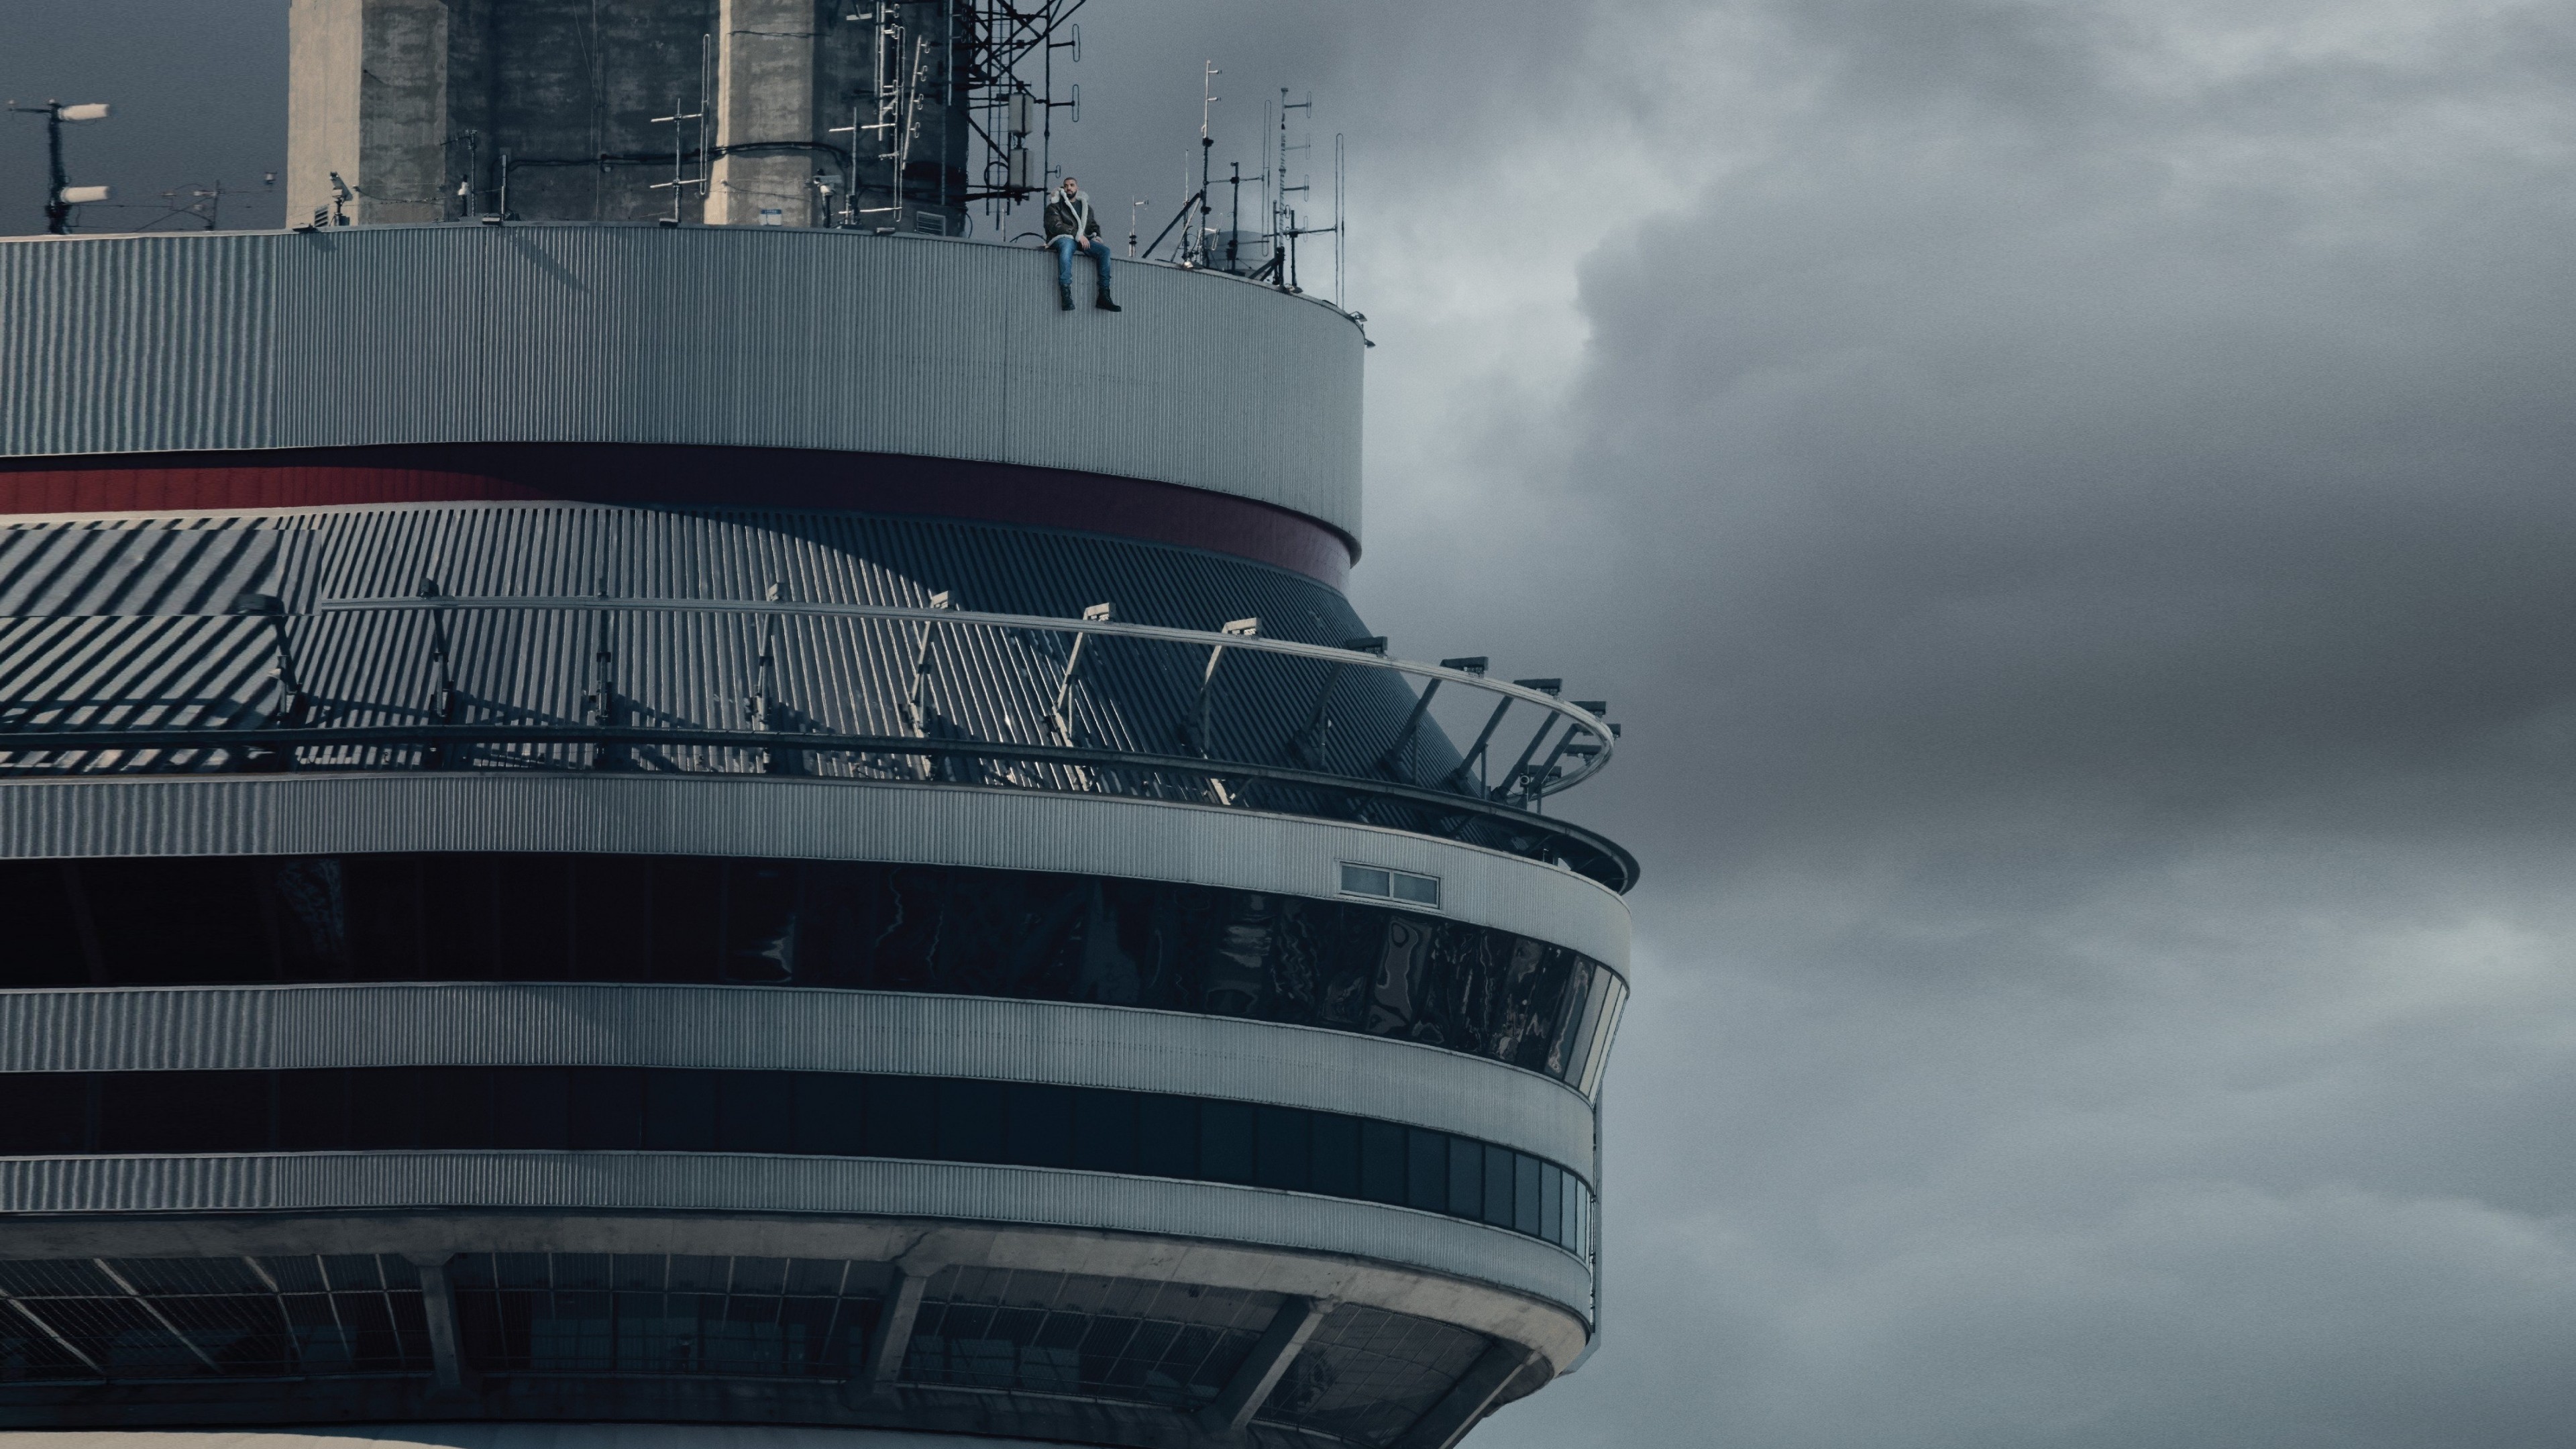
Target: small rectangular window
{"points": [[1466, 1178], [1426, 1170], [1104, 1130], [1226, 1141], [1498, 1185], [1167, 1136], [1551, 1203], [1380, 883], [1283, 1144], [1382, 1161], [1336, 1167], [903, 1117]]}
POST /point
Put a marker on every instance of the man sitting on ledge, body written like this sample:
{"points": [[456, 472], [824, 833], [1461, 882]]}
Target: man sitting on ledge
{"points": [[1071, 227]]}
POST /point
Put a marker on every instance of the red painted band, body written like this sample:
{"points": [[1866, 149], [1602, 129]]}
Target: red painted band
{"points": [[650, 475]]}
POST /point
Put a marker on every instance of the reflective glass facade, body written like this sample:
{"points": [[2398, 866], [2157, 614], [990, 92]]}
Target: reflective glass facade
{"points": [[179, 1318], [813, 1114], [569, 1317], [1346, 965]]}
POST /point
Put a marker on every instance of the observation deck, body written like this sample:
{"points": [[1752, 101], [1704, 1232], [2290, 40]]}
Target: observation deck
{"points": [[622, 823]]}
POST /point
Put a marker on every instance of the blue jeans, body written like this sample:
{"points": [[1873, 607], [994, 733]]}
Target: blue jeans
{"points": [[1066, 246]]}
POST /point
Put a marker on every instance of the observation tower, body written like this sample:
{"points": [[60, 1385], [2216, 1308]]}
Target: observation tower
{"points": [[644, 801]]}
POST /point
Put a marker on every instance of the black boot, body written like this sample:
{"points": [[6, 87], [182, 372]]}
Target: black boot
{"points": [[1105, 304], [1064, 295]]}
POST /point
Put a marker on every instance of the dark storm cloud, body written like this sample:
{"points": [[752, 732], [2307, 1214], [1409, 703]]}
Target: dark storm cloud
{"points": [[2075, 504]]}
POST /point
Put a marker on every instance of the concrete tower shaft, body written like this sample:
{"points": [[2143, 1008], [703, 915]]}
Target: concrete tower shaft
{"points": [[566, 110]]}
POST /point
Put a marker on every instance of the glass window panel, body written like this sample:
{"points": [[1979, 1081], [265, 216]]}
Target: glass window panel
{"points": [[313, 1111], [760, 920], [1551, 1203], [903, 1117], [1382, 1162], [831, 1113], [43, 1112], [1167, 1135], [1525, 1193], [183, 1111], [679, 1110], [685, 939], [1336, 1163], [532, 1108], [1226, 1149], [1041, 1125], [532, 917], [1283, 1146], [1498, 1185], [612, 932], [1466, 1177], [1426, 1169], [607, 1109], [455, 1107], [45, 949], [755, 1111], [1361, 965], [385, 1108], [1104, 1130], [973, 1117]]}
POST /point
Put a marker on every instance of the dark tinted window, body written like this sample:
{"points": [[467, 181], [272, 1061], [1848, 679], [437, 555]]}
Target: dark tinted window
{"points": [[1342, 964], [802, 1113]]}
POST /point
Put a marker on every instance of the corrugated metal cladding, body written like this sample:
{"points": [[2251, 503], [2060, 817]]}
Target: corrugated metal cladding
{"points": [[735, 1182], [254, 1028], [114, 344], [735, 336]]}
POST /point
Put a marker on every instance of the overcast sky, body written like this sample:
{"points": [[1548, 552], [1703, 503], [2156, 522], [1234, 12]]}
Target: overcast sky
{"points": [[2072, 503]]}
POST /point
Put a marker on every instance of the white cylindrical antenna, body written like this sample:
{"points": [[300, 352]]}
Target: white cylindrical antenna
{"points": [[82, 195], [94, 111]]}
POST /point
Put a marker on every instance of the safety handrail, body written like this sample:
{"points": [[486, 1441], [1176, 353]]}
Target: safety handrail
{"points": [[1583, 851], [1582, 719]]}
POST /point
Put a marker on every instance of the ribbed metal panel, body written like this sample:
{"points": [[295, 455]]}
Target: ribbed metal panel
{"points": [[756, 816], [735, 1182], [125, 344], [725, 336], [462, 1024], [138, 566]]}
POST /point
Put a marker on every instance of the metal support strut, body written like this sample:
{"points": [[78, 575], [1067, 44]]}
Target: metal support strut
{"points": [[1244, 1394]]}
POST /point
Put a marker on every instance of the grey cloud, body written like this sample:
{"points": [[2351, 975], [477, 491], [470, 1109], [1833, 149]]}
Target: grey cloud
{"points": [[2073, 502]]}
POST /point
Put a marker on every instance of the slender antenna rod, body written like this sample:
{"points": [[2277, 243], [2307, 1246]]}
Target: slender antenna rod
{"points": [[1207, 144]]}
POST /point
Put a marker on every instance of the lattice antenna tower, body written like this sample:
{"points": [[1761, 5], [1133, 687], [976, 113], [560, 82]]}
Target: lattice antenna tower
{"points": [[1003, 69]]}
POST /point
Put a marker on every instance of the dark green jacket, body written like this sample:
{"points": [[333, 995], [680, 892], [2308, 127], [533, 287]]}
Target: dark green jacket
{"points": [[1073, 218]]}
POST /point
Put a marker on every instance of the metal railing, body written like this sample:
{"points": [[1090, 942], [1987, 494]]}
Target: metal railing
{"points": [[1037, 742]]}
